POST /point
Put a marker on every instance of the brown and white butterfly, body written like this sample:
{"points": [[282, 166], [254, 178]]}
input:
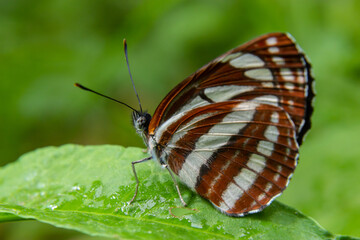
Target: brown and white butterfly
{"points": [[232, 130]]}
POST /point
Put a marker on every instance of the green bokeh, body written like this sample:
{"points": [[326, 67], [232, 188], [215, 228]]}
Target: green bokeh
{"points": [[46, 46]]}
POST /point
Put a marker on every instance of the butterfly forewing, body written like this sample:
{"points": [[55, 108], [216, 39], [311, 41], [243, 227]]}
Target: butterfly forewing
{"points": [[270, 69], [231, 131]]}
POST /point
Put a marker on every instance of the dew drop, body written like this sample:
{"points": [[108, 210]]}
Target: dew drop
{"points": [[52, 207]]}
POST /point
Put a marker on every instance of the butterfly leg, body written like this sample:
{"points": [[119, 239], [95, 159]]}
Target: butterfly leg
{"points": [[136, 178], [176, 185]]}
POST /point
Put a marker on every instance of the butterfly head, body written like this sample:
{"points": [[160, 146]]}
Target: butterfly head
{"points": [[141, 121]]}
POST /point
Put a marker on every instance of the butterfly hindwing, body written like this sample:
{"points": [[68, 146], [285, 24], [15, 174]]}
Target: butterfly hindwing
{"points": [[237, 154]]}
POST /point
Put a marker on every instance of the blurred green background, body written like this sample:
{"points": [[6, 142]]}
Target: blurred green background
{"points": [[46, 46]]}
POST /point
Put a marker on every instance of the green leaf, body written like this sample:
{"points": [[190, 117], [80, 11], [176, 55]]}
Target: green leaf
{"points": [[8, 217], [87, 189]]}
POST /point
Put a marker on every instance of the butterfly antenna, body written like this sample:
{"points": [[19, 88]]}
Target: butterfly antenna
{"points": [[128, 66], [88, 89]]}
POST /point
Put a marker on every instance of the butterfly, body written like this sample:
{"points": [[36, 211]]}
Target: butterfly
{"points": [[232, 130]]}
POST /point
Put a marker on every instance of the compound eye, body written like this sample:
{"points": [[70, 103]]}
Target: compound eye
{"points": [[140, 121]]}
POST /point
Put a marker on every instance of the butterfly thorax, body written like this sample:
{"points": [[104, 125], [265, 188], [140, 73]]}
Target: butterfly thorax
{"points": [[141, 121]]}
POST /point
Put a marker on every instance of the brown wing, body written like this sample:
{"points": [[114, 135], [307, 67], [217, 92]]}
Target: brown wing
{"points": [[239, 155], [270, 69]]}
